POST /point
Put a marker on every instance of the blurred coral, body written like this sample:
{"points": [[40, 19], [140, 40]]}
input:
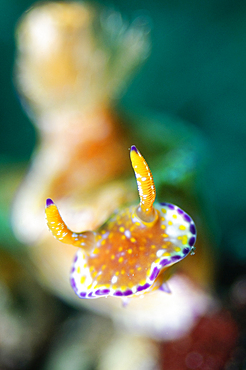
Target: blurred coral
{"points": [[74, 57]]}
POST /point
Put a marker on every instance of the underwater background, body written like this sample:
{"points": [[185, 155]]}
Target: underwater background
{"points": [[196, 73]]}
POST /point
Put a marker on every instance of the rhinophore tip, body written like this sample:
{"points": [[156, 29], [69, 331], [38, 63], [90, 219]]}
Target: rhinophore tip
{"points": [[133, 148], [49, 202]]}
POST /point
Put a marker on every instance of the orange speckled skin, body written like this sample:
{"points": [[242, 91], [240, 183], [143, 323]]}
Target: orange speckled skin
{"points": [[128, 254], [125, 256], [127, 247]]}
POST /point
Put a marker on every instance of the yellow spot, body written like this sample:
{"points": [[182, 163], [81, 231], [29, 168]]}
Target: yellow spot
{"points": [[139, 268], [85, 265], [91, 268], [166, 254], [121, 259], [103, 242], [129, 251], [103, 267], [177, 249], [99, 237], [82, 280], [164, 210], [89, 286], [114, 287], [94, 274], [163, 227], [162, 218], [142, 282], [112, 257], [164, 235], [138, 223], [184, 239], [122, 272], [96, 251], [120, 249], [78, 270], [148, 272], [133, 240], [132, 271], [110, 236], [99, 277], [130, 284], [123, 237], [158, 260], [182, 227], [141, 248], [153, 246], [175, 216], [122, 229], [170, 223], [103, 232], [117, 273]]}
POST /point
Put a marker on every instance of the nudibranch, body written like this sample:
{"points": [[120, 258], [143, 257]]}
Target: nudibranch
{"points": [[129, 254]]}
